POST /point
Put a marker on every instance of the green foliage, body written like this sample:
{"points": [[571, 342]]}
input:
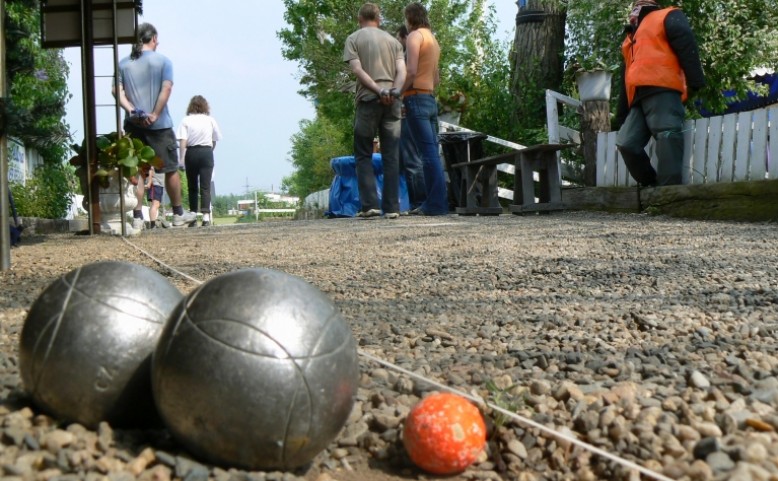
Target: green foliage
{"points": [[317, 142], [221, 204], [734, 38], [480, 71], [594, 33], [317, 29], [510, 399], [47, 194], [37, 80]]}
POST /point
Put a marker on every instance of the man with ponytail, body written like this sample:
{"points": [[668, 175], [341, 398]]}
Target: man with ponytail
{"points": [[145, 83]]}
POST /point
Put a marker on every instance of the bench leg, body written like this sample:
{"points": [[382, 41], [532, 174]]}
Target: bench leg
{"points": [[554, 181], [472, 187], [527, 182]]}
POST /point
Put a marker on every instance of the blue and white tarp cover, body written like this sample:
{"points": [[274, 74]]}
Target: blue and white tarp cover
{"points": [[344, 191]]}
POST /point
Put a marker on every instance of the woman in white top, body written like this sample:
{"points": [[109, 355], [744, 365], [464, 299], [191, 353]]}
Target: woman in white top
{"points": [[197, 137]]}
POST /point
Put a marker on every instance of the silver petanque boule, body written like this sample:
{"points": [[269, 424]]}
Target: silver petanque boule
{"points": [[86, 344], [256, 369]]}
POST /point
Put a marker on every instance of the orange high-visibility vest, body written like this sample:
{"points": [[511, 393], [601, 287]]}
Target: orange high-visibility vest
{"points": [[649, 59]]}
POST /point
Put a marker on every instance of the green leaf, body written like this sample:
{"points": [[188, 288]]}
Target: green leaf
{"points": [[147, 153], [123, 153], [103, 143], [129, 171], [125, 143], [129, 161]]}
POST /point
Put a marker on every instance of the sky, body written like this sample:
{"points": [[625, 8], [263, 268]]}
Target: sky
{"points": [[230, 54]]}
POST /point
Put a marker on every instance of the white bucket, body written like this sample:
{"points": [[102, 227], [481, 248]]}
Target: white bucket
{"points": [[594, 85]]}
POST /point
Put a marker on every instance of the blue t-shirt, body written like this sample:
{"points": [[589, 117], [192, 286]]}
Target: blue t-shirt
{"points": [[142, 81]]}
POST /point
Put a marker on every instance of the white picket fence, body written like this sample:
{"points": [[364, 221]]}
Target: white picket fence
{"points": [[728, 148]]}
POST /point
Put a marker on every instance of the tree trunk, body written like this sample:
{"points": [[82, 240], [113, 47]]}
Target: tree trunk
{"points": [[537, 59], [595, 117]]}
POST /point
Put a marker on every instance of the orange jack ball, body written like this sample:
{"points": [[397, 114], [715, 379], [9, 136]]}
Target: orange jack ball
{"points": [[444, 433]]}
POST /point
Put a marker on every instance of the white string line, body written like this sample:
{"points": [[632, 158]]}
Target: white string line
{"points": [[522, 420], [476, 399], [160, 262]]}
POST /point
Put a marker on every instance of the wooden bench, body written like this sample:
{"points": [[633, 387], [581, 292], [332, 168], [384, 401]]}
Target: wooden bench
{"points": [[480, 187], [541, 158]]}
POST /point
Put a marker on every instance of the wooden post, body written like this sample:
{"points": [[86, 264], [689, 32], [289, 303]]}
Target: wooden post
{"points": [[5, 234], [595, 117]]}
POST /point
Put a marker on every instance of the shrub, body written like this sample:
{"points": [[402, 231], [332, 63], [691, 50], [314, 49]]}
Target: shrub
{"points": [[48, 194]]}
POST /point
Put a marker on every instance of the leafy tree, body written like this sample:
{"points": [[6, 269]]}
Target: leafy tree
{"points": [[317, 31], [317, 142], [479, 69], [223, 203], [37, 80]]}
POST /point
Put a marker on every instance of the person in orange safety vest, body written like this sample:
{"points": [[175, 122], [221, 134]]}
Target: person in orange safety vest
{"points": [[661, 69]]}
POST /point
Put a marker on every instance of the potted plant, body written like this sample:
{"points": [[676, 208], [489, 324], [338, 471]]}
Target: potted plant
{"points": [[117, 158], [593, 79]]}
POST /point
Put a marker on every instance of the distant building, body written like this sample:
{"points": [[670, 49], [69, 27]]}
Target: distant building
{"points": [[282, 198], [247, 206]]}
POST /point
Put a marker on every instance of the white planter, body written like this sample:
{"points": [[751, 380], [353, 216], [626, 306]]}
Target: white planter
{"points": [[594, 85], [111, 217], [450, 117]]}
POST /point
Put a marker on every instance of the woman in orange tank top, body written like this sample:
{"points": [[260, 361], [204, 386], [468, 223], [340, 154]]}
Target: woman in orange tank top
{"points": [[421, 108]]}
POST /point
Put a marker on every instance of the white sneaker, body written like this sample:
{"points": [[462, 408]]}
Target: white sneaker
{"points": [[186, 218], [369, 213], [138, 224]]}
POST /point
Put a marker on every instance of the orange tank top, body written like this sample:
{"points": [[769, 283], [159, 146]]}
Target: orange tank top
{"points": [[429, 55]]}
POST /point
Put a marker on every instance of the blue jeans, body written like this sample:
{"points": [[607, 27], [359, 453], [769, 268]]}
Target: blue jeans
{"points": [[660, 115], [412, 167], [385, 119], [421, 113]]}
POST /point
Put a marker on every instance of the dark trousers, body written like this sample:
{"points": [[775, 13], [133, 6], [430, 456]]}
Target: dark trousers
{"points": [[372, 117], [660, 115], [199, 171]]}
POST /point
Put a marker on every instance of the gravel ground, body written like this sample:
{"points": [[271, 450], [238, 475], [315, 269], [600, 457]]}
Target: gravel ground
{"points": [[650, 338]]}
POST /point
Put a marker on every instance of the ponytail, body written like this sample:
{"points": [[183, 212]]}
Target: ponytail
{"points": [[137, 49], [146, 33]]}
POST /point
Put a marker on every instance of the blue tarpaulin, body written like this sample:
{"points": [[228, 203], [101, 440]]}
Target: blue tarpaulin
{"points": [[344, 190], [752, 101]]}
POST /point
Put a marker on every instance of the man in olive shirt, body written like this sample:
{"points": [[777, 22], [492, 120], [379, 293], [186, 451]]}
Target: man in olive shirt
{"points": [[377, 60]]}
